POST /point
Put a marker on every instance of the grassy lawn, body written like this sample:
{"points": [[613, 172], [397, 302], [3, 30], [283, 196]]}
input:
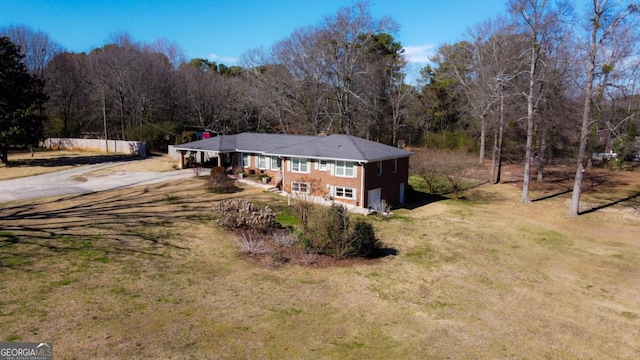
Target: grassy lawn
{"points": [[44, 161], [143, 273]]}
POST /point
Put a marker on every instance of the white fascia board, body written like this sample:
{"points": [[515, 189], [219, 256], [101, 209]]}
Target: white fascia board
{"points": [[317, 158]]}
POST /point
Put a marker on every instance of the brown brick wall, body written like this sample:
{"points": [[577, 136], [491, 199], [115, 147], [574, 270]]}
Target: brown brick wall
{"points": [[388, 181], [319, 179]]}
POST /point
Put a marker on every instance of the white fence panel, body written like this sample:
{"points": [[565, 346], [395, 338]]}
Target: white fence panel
{"points": [[98, 145]]}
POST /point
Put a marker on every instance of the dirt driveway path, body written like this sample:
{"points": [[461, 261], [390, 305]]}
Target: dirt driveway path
{"points": [[83, 179]]}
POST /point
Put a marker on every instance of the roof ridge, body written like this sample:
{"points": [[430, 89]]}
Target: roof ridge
{"points": [[355, 144]]}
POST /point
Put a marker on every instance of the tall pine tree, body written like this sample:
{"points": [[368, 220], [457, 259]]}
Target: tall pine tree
{"points": [[21, 101]]}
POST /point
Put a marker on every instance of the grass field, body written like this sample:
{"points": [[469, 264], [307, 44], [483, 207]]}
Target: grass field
{"points": [[143, 273]]}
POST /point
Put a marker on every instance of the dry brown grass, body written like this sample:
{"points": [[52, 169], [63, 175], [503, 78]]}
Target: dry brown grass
{"points": [[23, 164], [143, 272]]}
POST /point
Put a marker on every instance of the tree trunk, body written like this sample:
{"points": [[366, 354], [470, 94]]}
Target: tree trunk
{"points": [[541, 159], [4, 157], [500, 135], [574, 208], [493, 157], [530, 123], [483, 135]]}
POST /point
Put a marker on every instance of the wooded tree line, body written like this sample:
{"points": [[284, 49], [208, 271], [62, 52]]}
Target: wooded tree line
{"points": [[544, 82]]}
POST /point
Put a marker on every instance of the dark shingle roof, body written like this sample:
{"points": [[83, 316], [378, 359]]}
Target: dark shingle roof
{"points": [[332, 147]]}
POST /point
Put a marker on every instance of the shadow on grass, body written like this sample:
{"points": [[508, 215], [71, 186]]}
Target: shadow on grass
{"points": [[614, 202], [116, 224], [383, 252], [417, 199], [73, 160], [552, 195]]}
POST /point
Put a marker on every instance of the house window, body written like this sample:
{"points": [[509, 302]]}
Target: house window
{"points": [[262, 162], [300, 165], [246, 160], [379, 169], [322, 165], [276, 162], [345, 192], [299, 187], [395, 166], [345, 168]]}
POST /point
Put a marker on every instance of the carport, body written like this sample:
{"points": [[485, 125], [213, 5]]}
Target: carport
{"points": [[220, 149]]}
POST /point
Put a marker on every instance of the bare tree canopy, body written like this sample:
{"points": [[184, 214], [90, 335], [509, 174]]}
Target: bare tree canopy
{"points": [[36, 46], [609, 49]]}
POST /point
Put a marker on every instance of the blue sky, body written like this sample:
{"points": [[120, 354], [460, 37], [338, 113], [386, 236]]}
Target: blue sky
{"points": [[223, 30]]}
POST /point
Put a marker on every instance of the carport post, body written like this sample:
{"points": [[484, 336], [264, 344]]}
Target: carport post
{"points": [[181, 164]]}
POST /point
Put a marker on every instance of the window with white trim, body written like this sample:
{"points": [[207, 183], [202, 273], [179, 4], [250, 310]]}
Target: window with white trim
{"points": [[299, 187], [345, 169], [276, 162], [246, 160], [322, 165], [262, 162], [379, 168], [300, 165], [345, 192], [395, 166]]}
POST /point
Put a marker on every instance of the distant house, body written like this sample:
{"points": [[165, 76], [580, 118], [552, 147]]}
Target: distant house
{"points": [[344, 168]]}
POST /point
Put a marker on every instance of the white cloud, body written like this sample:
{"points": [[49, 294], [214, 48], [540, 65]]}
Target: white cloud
{"points": [[223, 59], [417, 58], [419, 53]]}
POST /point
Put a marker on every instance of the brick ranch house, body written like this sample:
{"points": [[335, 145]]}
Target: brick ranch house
{"points": [[345, 168]]}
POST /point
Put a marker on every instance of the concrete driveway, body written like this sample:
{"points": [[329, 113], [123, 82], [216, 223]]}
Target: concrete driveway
{"points": [[82, 180]]}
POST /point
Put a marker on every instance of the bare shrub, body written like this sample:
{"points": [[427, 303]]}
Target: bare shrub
{"points": [[309, 257], [283, 238], [219, 183], [302, 201], [237, 214], [252, 243], [444, 171], [381, 207]]}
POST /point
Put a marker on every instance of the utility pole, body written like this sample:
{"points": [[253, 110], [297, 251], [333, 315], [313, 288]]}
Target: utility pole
{"points": [[104, 116]]}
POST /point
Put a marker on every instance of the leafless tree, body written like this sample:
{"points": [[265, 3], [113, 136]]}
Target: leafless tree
{"points": [[331, 76], [208, 97], [36, 46], [341, 39], [171, 50], [541, 22], [67, 85], [443, 171], [610, 43]]}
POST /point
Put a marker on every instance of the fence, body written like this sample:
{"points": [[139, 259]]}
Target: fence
{"points": [[173, 153], [97, 145]]}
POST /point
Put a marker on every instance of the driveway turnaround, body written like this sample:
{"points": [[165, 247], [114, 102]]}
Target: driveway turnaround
{"points": [[81, 180]]}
